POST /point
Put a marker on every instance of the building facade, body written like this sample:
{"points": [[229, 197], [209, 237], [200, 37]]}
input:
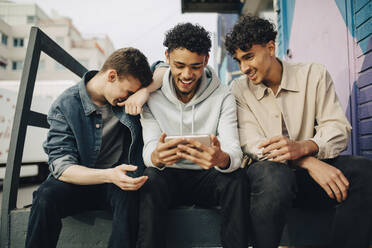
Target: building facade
{"points": [[15, 23], [52, 79]]}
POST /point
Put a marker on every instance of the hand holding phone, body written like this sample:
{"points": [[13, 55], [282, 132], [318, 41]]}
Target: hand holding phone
{"points": [[203, 155], [166, 151]]}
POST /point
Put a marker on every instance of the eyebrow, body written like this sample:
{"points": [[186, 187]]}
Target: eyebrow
{"points": [[178, 62], [248, 54]]}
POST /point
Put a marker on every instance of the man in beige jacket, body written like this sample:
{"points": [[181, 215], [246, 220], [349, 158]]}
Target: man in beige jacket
{"points": [[291, 123]]}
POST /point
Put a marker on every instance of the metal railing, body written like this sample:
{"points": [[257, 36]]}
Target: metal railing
{"points": [[24, 116]]}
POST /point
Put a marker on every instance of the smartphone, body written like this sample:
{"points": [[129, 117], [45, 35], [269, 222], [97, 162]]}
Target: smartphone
{"points": [[202, 138]]}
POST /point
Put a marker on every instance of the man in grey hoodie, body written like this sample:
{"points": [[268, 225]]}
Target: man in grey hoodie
{"points": [[184, 171]]}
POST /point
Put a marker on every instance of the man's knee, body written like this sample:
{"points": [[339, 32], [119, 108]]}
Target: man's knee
{"points": [[267, 177], [236, 179], [123, 199], [43, 196], [52, 194], [355, 168], [156, 181], [154, 176]]}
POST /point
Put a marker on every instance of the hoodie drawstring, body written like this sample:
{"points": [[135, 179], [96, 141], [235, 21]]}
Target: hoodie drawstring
{"points": [[181, 119], [192, 120]]}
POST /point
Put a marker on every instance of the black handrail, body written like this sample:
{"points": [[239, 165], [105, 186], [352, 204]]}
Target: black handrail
{"points": [[38, 42]]}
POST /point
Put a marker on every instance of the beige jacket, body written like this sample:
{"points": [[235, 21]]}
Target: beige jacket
{"points": [[307, 102]]}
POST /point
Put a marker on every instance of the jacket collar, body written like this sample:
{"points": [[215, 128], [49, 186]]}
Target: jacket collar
{"points": [[88, 106], [288, 82]]}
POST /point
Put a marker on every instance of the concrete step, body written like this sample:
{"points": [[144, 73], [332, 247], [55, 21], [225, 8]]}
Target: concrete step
{"points": [[187, 227]]}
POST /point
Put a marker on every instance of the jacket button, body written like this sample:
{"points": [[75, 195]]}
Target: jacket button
{"points": [[98, 125]]}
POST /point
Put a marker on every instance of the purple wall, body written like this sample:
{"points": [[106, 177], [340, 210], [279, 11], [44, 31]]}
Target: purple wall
{"points": [[338, 35]]}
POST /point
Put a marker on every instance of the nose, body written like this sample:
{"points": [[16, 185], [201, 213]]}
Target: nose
{"points": [[245, 67], [187, 73]]}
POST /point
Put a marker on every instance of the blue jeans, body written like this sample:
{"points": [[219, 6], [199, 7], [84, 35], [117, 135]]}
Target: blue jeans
{"points": [[55, 200], [275, 188]]}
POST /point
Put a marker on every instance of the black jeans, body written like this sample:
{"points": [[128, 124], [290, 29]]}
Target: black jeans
{"points": [[274, 187], [171, 187], [55, 200]]}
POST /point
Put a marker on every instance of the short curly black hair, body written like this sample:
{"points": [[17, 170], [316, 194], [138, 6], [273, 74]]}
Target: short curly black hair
{"points": [[193, 37], [248, 31]]}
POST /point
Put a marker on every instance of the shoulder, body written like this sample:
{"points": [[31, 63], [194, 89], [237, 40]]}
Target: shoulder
{"points": [[156, 95], [223, 89], [158, 101], [305, 74], [71, 92], [306, 68], [67, 101], [222, 96], [239, 85], [216, 87], [239, 82]]}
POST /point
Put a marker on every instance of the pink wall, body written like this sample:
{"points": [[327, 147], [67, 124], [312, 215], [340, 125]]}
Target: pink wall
{"points": [[319, 34]]}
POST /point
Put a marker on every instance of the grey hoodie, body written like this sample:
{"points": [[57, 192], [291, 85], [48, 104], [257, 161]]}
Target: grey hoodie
{"points": [[212, 110]]}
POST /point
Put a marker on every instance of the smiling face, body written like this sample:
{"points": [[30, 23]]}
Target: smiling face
{"points": [[119, 89], [257, 62], [187, 69]]}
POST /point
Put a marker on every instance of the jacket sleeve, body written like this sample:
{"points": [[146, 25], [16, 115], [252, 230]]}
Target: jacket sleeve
{"points": [[332, 128], [250, 132], [158, 64], [60, 145], [227, 133], [151, 134]]}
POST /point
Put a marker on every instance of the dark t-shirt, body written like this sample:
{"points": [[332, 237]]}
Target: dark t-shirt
{"points": [[116, 139]]}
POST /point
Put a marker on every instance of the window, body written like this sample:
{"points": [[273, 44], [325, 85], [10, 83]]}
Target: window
{"points": [[3, 63], [31, 19], [18, 42], [4, 39], [17, 65]]}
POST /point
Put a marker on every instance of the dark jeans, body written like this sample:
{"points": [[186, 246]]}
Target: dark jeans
{"points": [[55, 200], [274, 185], [171, 187]]}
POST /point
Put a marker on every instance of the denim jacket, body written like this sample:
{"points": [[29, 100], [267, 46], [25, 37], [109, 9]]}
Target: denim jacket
{"points": [[75, 133]]}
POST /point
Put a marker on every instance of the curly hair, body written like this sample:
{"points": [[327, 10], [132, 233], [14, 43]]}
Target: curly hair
{"points": [[248, 31], [186, 35], [129, 61]]}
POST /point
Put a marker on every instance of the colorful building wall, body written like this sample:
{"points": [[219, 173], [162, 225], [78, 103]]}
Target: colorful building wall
{"points": [[227, 68], [336, 33]]}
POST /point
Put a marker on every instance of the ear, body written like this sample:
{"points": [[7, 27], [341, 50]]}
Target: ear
{"points": [[206, 59], [167, 57], [271, 46], [111, 75]]}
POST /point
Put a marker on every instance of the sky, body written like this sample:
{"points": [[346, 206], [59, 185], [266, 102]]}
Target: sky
{"points": [[135, 23]]}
